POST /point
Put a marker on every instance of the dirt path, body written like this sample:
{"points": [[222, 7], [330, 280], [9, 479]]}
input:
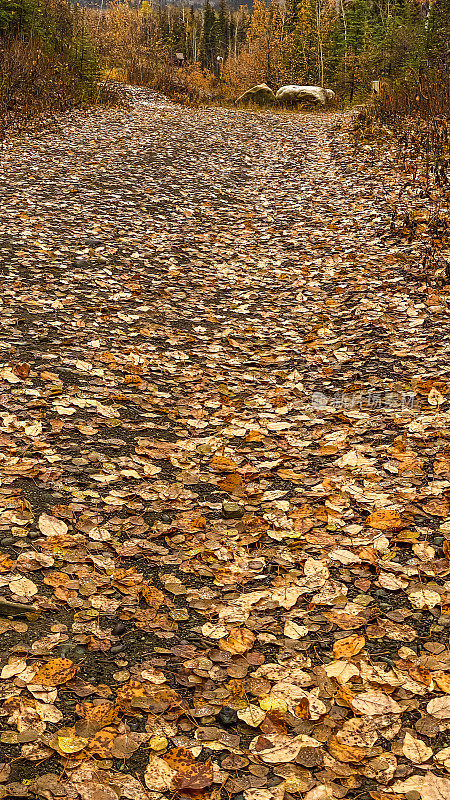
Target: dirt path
{"points": [[225, 471]]}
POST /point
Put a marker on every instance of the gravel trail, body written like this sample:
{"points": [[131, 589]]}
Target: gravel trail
{"points": [[224, 434]]}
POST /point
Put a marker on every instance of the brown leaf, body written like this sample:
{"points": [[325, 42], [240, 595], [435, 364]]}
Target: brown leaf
{"points": [[126, 744]]}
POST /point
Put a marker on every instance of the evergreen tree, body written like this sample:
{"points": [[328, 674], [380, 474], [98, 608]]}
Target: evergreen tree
{"points": [[208, 48], [223, 29]]}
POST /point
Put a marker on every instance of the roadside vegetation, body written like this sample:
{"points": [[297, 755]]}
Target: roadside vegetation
{"points": [[47, 62], [205, 54]]}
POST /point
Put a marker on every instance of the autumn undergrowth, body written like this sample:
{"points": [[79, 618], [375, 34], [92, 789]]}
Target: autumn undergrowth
{"points": [[47, 64], [410, 124]]}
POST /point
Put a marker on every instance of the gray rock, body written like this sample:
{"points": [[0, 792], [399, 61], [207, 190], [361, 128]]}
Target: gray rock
{"points": [[290, 95], [261, 95]]}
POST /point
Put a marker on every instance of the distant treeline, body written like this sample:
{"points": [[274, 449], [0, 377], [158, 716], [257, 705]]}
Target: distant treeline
{"points": [[344, 44]]}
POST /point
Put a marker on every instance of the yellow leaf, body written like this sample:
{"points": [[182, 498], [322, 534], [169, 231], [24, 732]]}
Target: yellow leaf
{"points": [[158, 743], [272, 703], [72, 744]]}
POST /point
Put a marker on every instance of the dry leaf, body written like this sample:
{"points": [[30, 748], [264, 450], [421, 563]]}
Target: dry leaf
{"points": [[278, 748], [239, 640], [374, 703], [385, 520], [159, 776], [252, 715], [294, 631], [51, 526], [190, 774], [275, 793], [416, 750], [55, 672], [439, 707], [424, 598], [349, 646], [23, 587]]}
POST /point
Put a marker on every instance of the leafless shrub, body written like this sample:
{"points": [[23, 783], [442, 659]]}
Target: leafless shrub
{"points": [[412, 123]]}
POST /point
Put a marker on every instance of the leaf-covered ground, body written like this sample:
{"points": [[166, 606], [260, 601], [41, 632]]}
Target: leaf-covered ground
{"points": [[225, 466]]}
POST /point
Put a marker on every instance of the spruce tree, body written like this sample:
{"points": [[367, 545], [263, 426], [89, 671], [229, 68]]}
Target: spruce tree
{"points": [[208, 49]]}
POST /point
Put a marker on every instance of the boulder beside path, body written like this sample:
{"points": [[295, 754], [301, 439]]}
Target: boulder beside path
{"points": [[261, 94], [289, 95]]}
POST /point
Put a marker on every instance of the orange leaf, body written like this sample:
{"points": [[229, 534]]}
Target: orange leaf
{"points": [[190, 774], [222, 464], [101, 744], [385, 520], [152, 596], [55, 672], [349, 646], [346, 752], [239, 640], [231, 482]]}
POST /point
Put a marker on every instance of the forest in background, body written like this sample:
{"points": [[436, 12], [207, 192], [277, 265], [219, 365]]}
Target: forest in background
{"points": [[55, 50], [342, 44]]}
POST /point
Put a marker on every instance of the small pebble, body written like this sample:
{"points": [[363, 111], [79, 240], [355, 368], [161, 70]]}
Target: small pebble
{"points": [[166, 519], [116, 648], [119, 629], [7, 540], [34, 535]]}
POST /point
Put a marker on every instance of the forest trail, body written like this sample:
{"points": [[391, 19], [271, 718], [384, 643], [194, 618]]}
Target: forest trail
{"points": [[224, 470]]}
